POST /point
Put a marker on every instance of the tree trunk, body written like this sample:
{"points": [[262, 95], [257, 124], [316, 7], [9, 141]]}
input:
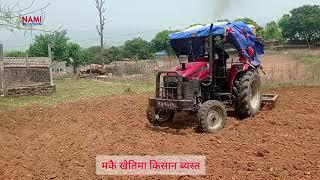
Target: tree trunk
{"points": [[100, 28], [307, 39], [101, 38]]}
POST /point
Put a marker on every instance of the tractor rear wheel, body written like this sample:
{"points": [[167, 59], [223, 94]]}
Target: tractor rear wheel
{"points": [[159, 116], [212, 116], [247, 94]]}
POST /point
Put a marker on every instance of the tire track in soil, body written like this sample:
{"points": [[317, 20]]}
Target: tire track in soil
{"points": [[61, 142]]}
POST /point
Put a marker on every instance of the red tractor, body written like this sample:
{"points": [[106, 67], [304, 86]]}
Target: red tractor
{"points": [[205, 84]]}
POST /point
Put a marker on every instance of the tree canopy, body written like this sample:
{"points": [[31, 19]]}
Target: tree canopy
{"points": [[58, 41], [16, 54], [260, 31], [283, 23], [161, 42], [273, 32], [137, 48], [302, 23], [62, 49], [114, 53], [94, 54], [76, 55]]}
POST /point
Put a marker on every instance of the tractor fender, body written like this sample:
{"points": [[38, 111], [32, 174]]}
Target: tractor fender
{"points": [[234, 72]]}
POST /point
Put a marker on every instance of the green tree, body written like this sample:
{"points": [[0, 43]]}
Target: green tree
{"points": [[16, 54], [161, 42], [137, 48], [302, 23], [94, 54], [77, 55], [260, 31], [284, 23], [58, 41], [114, 54], [273, 32]]}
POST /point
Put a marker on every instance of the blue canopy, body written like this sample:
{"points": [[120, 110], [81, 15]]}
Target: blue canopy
{"points": [[239, 34], [199, 31]]}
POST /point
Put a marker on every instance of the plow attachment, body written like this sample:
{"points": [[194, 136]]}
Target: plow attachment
{"points": [[270, 99]]}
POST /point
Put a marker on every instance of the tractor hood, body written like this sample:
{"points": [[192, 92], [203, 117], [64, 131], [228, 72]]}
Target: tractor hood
{"points": [[193, 70]]}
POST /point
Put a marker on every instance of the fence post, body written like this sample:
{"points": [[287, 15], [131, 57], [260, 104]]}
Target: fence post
{"points": [[1, 69], [115, 68], [90, 70], [27, 60], [50, 63]]}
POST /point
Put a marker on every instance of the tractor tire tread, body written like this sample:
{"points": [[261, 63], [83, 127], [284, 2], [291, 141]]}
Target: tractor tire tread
{"points": [[203, 113], [152, 118], [240, 94]]}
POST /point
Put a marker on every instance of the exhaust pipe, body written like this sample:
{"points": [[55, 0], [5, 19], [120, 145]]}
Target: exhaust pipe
{"points": [[211, 54], [183, 66]]}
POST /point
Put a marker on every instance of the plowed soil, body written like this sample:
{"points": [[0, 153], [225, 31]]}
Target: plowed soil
{"points": [[62, 142]]}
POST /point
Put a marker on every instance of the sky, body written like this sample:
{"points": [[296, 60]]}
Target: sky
{"points": [[127, 19]]}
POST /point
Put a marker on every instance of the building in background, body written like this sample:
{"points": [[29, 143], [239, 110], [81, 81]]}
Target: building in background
{"points": [[60, 69]]}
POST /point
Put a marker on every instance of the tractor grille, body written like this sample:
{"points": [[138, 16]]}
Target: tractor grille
{"points": [[169, 88]]}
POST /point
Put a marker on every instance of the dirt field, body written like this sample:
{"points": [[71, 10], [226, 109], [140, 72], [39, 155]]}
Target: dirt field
{"points": [[62, 142]]}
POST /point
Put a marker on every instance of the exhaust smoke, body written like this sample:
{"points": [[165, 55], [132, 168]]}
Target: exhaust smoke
{"points": [[218, 9]]}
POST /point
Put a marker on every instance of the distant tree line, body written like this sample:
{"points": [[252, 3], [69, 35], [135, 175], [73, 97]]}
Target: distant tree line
{"points": [[300, 24], [65, 50]]}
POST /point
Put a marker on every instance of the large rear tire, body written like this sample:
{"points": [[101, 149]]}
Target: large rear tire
{"points": [[159, 116], [212, 116], [247, 94]]}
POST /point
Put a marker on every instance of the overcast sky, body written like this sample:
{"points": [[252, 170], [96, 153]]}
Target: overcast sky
{"points": [[127, 19]]}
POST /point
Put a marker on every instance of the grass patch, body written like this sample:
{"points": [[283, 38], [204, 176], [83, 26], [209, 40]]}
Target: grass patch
{"points": [[311, 58], [71, 89], [306, 57], [140, 84]]}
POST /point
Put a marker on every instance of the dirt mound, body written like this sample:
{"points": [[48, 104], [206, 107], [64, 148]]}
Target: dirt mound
{"points": [[62, 142]]}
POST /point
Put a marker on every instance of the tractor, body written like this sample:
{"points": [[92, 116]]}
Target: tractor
{"points": [[206, 84]]}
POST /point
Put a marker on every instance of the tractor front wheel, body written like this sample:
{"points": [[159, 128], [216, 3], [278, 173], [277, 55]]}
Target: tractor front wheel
{"points": [[159, 116], [212, 116]]}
